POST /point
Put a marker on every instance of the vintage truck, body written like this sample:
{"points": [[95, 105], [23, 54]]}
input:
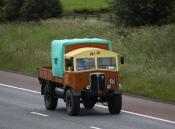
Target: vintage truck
{"points": [[83, 71]]}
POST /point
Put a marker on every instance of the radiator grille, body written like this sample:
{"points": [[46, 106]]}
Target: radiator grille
{"points": [[97, 82]]}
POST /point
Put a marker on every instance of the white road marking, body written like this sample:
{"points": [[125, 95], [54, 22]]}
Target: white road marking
{"points": [[102, 106], [15, 87], [138, 114], [151, 117], [93, 127], [39, 114]]}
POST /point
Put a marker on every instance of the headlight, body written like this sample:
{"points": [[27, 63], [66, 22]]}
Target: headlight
{"points": [[112, 81], [108, 87], [88, 87]]}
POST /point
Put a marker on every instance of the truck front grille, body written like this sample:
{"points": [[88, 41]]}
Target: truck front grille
{"points": [[97, 82], [94, 82], [101, 80]]}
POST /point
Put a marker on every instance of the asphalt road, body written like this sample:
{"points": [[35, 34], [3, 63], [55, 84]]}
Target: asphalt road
{"points": [[18, 110], [22, 109]]}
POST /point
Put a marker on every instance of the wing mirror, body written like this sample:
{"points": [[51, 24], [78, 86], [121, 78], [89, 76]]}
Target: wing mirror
{"points": [[122, 60]]}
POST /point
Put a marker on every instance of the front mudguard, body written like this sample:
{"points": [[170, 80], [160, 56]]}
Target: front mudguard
{"points": [[75, 93]]}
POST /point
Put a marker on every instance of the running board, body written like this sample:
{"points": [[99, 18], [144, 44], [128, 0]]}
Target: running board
{"points": [[59, 91]]}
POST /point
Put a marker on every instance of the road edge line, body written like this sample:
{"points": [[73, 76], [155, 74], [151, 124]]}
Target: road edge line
{"points": [[15, 87], [151, 117]]}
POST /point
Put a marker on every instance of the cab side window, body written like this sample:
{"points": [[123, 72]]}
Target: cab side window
{"points": [[69, 64]]}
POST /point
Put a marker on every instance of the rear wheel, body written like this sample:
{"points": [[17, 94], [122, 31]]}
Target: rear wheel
{"points": [[72, 103], [115, 104], [49, 97]]}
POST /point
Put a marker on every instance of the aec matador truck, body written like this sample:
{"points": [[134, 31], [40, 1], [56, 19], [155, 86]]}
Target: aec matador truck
{"points": [[83, 71]]}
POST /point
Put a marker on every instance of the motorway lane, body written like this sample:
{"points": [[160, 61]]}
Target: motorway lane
{"points": [[15, 112], [16, 107], [130, 103]]}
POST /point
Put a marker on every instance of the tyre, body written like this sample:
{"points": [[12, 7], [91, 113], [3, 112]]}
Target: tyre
{"points": [[72, 104], [115, 104], [49, 97], [89, 104]]}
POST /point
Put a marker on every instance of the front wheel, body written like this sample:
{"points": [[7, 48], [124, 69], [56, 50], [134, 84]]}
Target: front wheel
{"points": [[72, 104], [115, 104], [49, 99]]}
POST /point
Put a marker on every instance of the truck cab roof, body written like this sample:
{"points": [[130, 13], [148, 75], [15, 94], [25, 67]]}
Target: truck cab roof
{"points": [[90, 52], [67, 42]]}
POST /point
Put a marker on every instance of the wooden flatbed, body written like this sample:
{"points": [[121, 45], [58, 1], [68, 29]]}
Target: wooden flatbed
{"points": [[45, 73]]}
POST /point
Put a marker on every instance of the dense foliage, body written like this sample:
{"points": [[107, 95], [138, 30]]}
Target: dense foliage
{"points": [[143, 12], [39, 9], [28, 10], [1, 5], [11, 8]]}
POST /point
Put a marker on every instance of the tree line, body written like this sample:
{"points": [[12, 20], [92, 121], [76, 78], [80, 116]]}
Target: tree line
{"points": [[144, 12], [127, 12], [28, 10]]}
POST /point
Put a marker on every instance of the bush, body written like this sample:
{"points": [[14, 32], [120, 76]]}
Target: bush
{"points": [[11, 9], [142, 12], [39, 9], [56, 8], [1, 8], [1, 3]]}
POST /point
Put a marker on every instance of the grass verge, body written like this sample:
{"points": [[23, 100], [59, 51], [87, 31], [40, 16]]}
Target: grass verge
{"points": [[93, 5], [149, 51]]}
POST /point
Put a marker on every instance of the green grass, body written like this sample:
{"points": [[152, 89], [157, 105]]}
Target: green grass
{"points": [[149, 51], [71, 5]]}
